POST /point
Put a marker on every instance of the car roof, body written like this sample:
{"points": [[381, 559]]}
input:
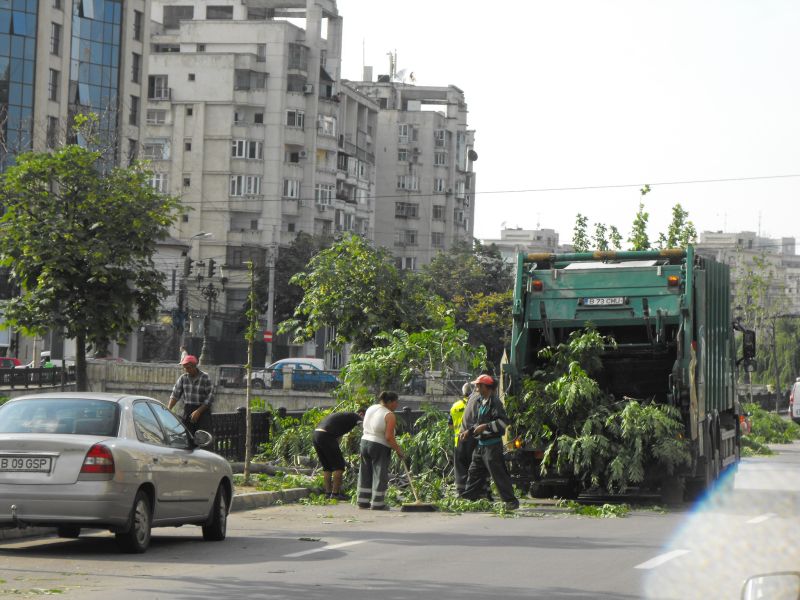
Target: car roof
{"points": [[108, 397]]}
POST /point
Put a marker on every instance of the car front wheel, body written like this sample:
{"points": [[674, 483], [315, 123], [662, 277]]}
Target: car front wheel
{"points": [[137, 538], [216, 527]]}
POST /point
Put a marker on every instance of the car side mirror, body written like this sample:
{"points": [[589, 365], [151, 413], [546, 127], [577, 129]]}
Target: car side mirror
{"points": [[202, 438], [773, 585]]}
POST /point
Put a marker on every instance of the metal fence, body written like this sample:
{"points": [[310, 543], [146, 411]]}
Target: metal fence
{"points": [[229, 432], [36, 377]]}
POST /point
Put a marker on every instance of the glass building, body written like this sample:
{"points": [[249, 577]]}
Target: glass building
{"points": [[17, 73]]}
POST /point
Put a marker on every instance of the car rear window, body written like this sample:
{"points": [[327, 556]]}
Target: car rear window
{"points": [[75, 416]]}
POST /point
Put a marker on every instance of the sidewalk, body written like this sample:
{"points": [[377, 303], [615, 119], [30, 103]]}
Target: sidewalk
{"points": [[241, 502]]}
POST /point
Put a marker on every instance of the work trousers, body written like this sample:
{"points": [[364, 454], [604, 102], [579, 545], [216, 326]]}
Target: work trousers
{"points": [[462, 458], [373, 475], [204, 422], [486, 461]]}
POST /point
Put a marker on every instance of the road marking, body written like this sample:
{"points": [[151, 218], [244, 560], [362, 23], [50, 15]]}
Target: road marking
{"points": [[761, 518], [325, 549], [661, 559]]}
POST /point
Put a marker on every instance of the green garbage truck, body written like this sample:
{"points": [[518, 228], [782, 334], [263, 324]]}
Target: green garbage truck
{"points": [[669, 312]]}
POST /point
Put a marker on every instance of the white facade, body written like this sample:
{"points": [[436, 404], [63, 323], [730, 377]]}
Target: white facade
{"points": [[515, 240], [425, 183], [248, 124]]}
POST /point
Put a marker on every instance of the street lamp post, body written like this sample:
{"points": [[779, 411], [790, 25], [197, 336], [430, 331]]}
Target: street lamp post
{"points": [[210, 293]]}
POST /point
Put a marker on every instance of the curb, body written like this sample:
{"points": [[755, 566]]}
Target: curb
{"points": [[241, 502]]}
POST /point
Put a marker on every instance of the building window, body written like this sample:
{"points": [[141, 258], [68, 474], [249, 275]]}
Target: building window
{"points": [[402, 133], [402, 155], [173, 15], [247, 149], [160, 182], [439, 185], [191, 77], [440, 159], [156, 149], [52, 84], [406, 237], [224, 13], [439, 138], [323, 194], [437, 239], [158, 87], [298, 57], [133, 117], [258, 118], [244, 79], [291, 188], [190, 110], [201, 47], [295, 118], [187, 181], [245, 185], [156, 117], [326, 125], [290, 227], [55, 39], [57, 4], [136, 68], [438, 212], [261, 53], [407, 182], [406, 210], [133, 150], [138, 22], [52, 132], [295, 83], [187, 145], [409, 263]]}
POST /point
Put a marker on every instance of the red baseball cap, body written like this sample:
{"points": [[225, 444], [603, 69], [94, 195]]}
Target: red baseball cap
{"points": [[484, 379], [189, 360]]}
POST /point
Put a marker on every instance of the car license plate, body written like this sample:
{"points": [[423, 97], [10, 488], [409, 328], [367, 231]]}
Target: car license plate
{"points": [[614, 301], [28, 464]]}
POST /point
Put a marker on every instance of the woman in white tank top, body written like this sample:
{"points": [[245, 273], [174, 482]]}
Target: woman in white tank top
{"points": [[377, 443]]}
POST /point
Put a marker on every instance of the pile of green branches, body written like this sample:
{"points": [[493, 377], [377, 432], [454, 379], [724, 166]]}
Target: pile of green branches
{"points": [[767, 428], [604, 442]]}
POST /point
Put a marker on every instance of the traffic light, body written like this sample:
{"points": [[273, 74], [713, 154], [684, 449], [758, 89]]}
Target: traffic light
{"points": [[211, 267], [187, 266]]}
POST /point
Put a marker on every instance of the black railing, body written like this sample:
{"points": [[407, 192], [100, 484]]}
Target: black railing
{"points": [[38, 377], [229, 433]]}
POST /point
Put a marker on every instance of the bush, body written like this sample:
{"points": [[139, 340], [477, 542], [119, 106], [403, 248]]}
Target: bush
{"points": [[768, 428]]}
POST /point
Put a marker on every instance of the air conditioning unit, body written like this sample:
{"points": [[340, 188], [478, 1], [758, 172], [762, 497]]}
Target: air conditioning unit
{"points": [[303, 154], [308, 88]]}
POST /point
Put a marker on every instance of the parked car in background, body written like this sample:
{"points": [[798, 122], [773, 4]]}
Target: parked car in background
{"points": [[124, 463], [305, 373], [9, 362], [794, 401]]}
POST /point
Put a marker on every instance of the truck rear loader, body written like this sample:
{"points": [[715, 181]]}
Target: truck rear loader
{"points": [[669, 313]]}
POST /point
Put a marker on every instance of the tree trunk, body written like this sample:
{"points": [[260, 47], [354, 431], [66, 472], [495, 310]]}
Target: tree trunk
{"points": [[81, 380]]}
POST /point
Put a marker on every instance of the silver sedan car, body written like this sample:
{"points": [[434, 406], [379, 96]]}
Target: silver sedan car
{"points": [[107, 461]]}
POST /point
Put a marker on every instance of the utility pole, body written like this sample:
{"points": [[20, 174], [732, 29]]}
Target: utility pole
{"points": [[210, 293], [273, 250], [252, 328]]}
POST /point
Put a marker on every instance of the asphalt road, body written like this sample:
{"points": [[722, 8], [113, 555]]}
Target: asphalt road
{"points": [[340, 552]]}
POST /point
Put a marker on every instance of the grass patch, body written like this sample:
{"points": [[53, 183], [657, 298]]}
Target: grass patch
{"points": [[606, 511]]}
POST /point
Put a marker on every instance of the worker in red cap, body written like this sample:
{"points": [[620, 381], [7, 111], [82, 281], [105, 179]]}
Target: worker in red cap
{"points": [[195, 389], [488, 427]]}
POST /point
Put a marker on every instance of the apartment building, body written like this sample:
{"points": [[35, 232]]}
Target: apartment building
{"points": [[247, 122], [61, 58], [514, 240], [425, 183]]}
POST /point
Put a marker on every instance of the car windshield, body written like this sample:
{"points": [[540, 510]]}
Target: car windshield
{"points": [[76, 416]]}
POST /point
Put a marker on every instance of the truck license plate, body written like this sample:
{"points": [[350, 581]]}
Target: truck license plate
{"points": [[29, 464], [614, 301]]}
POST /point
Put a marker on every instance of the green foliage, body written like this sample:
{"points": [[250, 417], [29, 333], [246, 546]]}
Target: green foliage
{"points": [[680, 233], [615, 237], [400, 354], [769, 428], [291, 438], [280, 481], [580, 239], [606, 511], [476, 281], [600, 241], [584, 431], [79, 242], [356, 289], [639, 239]]}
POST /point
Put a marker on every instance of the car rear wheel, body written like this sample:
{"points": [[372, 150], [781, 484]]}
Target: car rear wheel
{"points": [[258, 384], [216, 528], [68, 531], [137, 538]]}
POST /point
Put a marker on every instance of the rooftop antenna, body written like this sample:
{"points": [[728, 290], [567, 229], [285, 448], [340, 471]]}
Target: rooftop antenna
{"points": [[392, 64]]}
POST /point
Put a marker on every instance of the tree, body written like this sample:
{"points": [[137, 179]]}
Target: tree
{"points": [[639, 239], [615, 237], [600, 241], [356, 289], [680, 233], [79, 243], [580, 239], [478, 283]]}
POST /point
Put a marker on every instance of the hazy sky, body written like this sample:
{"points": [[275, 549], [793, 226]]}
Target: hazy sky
{"points": [[583, 93]]}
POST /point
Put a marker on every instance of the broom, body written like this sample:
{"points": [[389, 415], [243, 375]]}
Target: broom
{"points": [[416, 506]]}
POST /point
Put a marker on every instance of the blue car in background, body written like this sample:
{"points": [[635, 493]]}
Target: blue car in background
{"points": [[305, 375]]}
